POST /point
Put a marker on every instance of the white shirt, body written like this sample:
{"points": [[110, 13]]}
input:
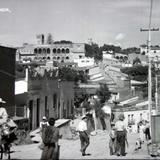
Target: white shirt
{"points": [[120, 126], [82, 126], [3, 115], [43, 124]]}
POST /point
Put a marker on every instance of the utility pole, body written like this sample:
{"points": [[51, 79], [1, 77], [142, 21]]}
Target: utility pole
{"points": [[149, 63]]}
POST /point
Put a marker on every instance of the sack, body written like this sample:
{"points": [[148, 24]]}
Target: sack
{"points": [[48, 135], [11, 123]]}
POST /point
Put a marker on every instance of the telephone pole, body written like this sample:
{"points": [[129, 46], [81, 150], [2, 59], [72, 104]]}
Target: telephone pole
{"points": [[149, 62]]}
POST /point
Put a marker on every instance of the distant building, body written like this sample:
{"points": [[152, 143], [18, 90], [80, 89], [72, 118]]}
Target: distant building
{"points": [[25, 53], [154, 51], [61, 52], [84, 62], [7, 77], [142, 58]]}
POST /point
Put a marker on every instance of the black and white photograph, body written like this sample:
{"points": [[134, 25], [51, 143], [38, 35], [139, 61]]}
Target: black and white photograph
{"points": [[79, 79]]}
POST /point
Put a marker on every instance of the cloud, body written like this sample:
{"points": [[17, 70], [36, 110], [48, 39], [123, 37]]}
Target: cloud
{"points": [[120, 36], [5, 10]]}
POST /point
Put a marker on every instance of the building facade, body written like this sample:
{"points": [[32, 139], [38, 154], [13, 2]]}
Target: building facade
{"points": [[61, 52], [7, 77], [49, 97]]}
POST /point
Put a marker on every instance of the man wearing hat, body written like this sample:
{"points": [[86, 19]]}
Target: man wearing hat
{"points": [[121, 135], [83, 134], [3, 112], [43, 124]]}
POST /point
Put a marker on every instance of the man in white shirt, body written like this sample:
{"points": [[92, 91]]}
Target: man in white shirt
{"points": [[121, 136], [3, 112], [43, 124], [83, 134]]}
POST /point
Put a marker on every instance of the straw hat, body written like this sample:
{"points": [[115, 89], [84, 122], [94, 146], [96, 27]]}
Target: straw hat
{"points": [[1, 101], [121, 116], [44, 118], [83, 117]]}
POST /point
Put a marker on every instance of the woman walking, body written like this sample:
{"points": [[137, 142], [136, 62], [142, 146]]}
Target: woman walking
{"points": [[50, 139], [121, 136]]}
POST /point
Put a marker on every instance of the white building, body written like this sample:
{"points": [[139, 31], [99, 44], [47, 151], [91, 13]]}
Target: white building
{"points": [[154, 51], [84, 62], [60, 52]]}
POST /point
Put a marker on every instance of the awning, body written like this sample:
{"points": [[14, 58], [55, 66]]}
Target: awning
{"points": [[21, 99]]}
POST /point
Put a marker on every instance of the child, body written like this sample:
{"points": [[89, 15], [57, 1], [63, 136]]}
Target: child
{"points": [[112, 140]]}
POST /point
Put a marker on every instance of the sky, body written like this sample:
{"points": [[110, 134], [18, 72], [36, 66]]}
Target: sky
{"points": [[116, 22]]}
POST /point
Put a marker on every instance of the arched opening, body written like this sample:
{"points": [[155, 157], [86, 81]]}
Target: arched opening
{"points": [[40, 50], [35, 50], [44, 50], [63, 50], [48, 58], [58, 50], [48, 50], [67, 50], [54, 50]]}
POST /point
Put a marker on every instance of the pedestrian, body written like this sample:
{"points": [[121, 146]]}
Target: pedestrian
{"points": [[50, 139], [121, 136], [112, 140], [43, 124], [83, 135], [3, 112], [141, 132], [147, 131]]}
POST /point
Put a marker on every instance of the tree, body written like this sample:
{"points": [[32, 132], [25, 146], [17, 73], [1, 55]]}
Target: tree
{"points": [[113, 48], [136, 61], [138, 73], [93, 50], [49, 39], [103, 93]]}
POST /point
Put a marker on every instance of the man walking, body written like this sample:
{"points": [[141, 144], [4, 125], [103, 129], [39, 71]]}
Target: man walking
{"points": [[83, 134]]}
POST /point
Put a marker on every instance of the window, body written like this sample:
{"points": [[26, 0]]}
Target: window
{"points": [[54, 50], [67, 50], [67, 57], [80, 56], [39, 50], [54, 100], [38, 112], [44, 50], [35, 50], [63, 50], [58, 50], [46, 107], [143, 53], [48, 50]]}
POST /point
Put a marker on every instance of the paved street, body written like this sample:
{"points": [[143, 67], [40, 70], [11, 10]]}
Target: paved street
{"points": [[70, 149]]}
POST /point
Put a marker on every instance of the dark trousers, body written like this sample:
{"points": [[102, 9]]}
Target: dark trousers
{"points": [[50, 152], [120, 143], [84, 138], [147, 134]]}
